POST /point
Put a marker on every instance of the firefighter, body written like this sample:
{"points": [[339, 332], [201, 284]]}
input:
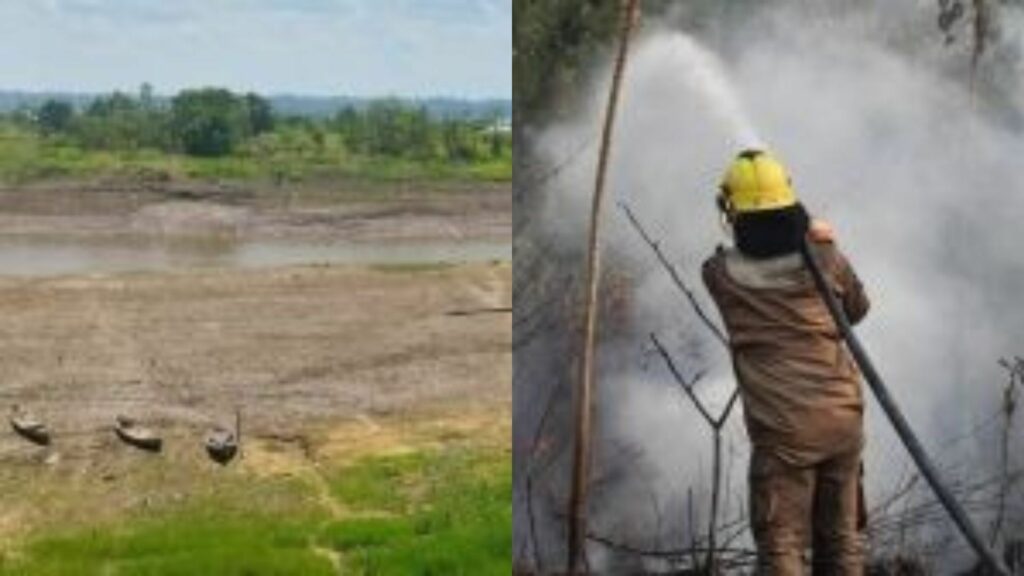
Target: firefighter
{"points": [[802, 398]]}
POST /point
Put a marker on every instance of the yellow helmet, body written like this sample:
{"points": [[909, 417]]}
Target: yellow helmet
{"points": [[756, 181]]}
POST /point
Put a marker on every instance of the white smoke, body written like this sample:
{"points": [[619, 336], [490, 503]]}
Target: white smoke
{"points": [[882, 139]]}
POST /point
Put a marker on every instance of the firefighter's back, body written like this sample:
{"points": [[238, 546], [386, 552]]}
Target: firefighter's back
{"points": [[801, 390]]}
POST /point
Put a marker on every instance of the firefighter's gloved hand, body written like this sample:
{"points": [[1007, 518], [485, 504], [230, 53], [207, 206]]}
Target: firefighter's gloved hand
{"points": [[821, 231]]}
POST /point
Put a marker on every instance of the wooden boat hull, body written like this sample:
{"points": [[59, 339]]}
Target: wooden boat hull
{"points": [[141, 438], [221, 446], [31, 430]]}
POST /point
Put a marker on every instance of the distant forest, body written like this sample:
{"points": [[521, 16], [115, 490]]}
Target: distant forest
{"points": [[249, 135], [292, 104]]}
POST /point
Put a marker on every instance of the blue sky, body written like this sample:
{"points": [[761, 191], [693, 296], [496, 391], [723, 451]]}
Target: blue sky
{"points": [[350, 47]]}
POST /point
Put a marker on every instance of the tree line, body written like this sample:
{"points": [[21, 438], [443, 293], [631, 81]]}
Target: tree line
{"points": [[215, 122]]}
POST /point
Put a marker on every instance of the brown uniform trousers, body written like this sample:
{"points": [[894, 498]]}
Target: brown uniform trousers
{"points": [[803, 407], [788, 501]]}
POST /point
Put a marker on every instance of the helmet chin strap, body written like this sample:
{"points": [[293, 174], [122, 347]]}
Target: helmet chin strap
{"points": [[727, 229], [725, 216]]}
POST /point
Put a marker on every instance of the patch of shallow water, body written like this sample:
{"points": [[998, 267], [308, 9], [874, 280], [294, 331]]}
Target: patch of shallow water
{"points": [[34, 255]]}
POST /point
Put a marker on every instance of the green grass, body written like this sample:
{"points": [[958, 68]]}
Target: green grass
{"points": [[447, 513], [441, 511], [181, 544], [25, 157], [185, 543]]}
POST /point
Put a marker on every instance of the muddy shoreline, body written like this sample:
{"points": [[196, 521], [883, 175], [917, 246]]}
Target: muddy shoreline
{"points": [[376, 214]]}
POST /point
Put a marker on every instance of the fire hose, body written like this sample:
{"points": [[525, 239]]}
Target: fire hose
{"points": [[899, 422]]}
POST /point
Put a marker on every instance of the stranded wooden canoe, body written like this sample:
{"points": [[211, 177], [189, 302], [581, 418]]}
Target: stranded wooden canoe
{"points": [[132, 433], [30, 428], [221, 445]]}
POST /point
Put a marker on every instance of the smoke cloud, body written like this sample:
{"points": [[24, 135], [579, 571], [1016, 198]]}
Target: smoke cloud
{"points": [[875, 118]]}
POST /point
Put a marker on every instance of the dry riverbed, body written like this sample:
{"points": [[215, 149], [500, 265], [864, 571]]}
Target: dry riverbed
{"points": [[324, 362]]}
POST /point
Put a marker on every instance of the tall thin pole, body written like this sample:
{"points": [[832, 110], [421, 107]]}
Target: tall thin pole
{"points": [[577, 516]]}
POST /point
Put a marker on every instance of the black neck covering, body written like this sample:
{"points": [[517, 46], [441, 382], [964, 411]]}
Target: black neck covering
{"points": [[771, 233]]}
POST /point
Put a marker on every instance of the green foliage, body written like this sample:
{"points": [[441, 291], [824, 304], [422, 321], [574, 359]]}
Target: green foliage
{"points": [[389, 129], [120, 122], [554, 41], [260, 114], [55, 116], [215, 134], [209, 122]]}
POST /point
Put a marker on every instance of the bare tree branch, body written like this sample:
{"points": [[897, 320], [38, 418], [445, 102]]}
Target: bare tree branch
{"points": [[676, 278], [683, 383]]}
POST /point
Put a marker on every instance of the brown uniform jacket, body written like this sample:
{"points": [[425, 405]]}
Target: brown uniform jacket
{"points": [[801, 390]]}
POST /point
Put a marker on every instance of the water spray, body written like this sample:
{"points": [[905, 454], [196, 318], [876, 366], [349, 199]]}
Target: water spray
{"points": [[707, 76]]}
